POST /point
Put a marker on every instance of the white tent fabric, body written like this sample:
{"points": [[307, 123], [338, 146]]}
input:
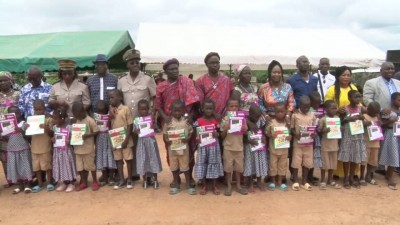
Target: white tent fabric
{"points": [[253, 45]]}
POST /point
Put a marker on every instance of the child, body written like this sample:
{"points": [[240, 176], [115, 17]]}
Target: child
{"points": [[352, 147], [64, 170], [389, 155], [179, 159], [315, 99], [233, 151], [104, 156], [329, 147], [121, 116], [41, 148], [147, 153], [302, 154], [19, 162], [277, 157], [371, 118], [85, 154], [209, 163], [255, 162]]}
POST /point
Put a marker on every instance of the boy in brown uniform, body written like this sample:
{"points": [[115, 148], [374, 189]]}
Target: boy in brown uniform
{"points": [[121, 116], [85, 154]]}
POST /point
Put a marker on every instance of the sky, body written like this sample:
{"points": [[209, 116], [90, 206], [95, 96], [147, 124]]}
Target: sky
{"points": [[376, 21]]}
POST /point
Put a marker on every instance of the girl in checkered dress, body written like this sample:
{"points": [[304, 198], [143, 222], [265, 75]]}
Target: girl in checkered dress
{"points": [[19, 165]]}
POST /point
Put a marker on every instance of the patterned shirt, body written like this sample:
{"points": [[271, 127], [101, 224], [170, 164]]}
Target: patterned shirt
{"points": [[248, 99], [29, 94], [99, 91], [272, 96]]}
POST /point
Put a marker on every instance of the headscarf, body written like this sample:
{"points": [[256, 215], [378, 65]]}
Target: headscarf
{"points": [[239, 69], [9, 76]]}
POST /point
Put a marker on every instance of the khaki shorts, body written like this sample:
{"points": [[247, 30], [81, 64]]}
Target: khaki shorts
{"points": [[85, 162], [179, 162], [278, 164], [233, 161], [120, 154], [42, 162], [372, 157], [329, 160], [302, 156]]}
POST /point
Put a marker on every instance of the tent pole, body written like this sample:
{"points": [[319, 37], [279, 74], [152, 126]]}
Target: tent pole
{"points": [[230, 70]]}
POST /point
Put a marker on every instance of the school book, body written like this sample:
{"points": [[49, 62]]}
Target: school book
{"points": [[236, 122], [375, 133], [281, 134], [144, 125], [334, 125], [102, 121], [117, 136], [319, 112], [8, 123], [176, 137], [257, 137], [78, 130], [61, 137], [34, 124], [206, 136], [356, 127], [305, 135]]}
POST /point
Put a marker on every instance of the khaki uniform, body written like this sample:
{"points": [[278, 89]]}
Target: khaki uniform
{"points": [[329, 149], [372, 146], [302, 154], [85, 154], [143, 87], [41, 149], [123, 118], [277, 157], [77, 92]]}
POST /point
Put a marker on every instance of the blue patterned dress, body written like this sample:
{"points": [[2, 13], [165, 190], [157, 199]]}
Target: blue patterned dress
{"points": [[390, 147]]}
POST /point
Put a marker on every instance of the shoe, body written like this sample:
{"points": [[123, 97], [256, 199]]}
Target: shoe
{"points": [[145, 185], [61, 187], [119, 185], [156, 185], [81, 187], [70, 188], [96, 186], [129, 185]]}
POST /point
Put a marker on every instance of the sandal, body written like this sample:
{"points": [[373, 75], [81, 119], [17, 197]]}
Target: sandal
{"points": [[174, 191], [191, 191], [372, 181], [203, 190], [306, 187], [296, 187], [81, 187], [363, 183], [216, 191], [37, 189], [228, 192], [283, 187], [347, 184], [392, 186], [334, 185], [355, 184], [156, 185], [322, 186], [243, 191], [50, 187], [271, 187], [27, 190], [16, 191]]}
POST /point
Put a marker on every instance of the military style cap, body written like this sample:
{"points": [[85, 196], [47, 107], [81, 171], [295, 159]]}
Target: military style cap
{"points": [[131, 54], [66, 64]]}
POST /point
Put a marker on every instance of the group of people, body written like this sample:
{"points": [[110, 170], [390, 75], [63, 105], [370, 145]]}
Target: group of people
{"points": [[187, 106]]}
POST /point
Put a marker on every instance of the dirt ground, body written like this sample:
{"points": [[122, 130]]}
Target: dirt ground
{"points": [[368, 205]]}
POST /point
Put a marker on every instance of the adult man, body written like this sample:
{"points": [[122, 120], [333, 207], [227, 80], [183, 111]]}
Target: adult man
{"points": [[35, 89], [100, 84], [135, 86], [381, 88], [325, 79]]}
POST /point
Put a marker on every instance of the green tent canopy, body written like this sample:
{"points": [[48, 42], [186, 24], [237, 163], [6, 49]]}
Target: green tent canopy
{"points": [[19, 52]]}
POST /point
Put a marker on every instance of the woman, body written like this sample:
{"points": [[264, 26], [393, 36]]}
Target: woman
{"points": [[339, 93], [8, 97], [276, 91], [245, 91], [68, 90]]}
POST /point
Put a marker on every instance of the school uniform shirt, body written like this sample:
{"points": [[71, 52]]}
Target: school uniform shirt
{"points": [[270, 130], [326, 81], [300, 119], [176, 124], [232, 142], [88, 143], [327, 145], [143, 87], [370, 144], [99, 87], [41, 143], [77, 92], [123, 118]]}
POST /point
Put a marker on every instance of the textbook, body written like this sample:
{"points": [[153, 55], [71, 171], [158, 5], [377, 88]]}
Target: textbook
{"points": [[144, 125], [102, 121], [236, 122], [34, 125], [176, 137], [305, 135], [117, 136], [61, 137], [258, 137], [78, 130], [205, 134], [356, 127], [375, 133], [281, 134], [8, 123], [319, 112], [334, 125]]}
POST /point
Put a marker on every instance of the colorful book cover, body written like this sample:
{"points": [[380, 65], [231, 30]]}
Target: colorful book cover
{"points": [[320, 112], [305, 135], [78, 130], [117, 136], [396, 129], [61, 137], [258, 137], [176, 137], [356, 127], [8, 123], [102, 121], [236, 122], [34, 124], [205, 134], [281, 134], [144, 125], [334, 125], [375, 133]]}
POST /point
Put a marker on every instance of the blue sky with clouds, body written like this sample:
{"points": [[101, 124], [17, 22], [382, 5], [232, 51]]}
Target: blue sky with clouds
{"points": [[372, 20]]}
